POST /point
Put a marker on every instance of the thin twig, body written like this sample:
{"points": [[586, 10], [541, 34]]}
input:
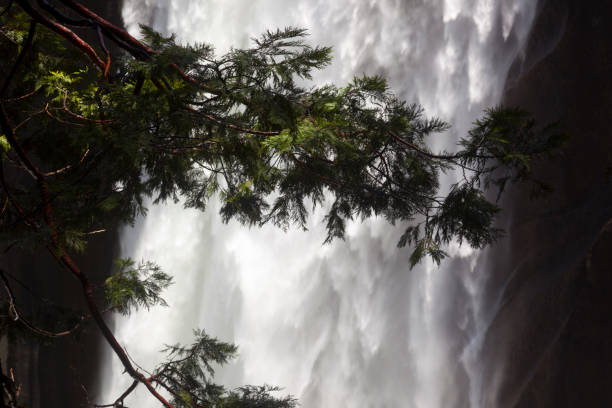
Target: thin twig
{"points": [[61, 120], [232, 126], [18, 318], [108, 55], [76, 115], [19, 98]]}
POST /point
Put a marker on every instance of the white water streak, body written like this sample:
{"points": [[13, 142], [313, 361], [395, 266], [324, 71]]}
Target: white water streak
{"points": [[347, 324]]}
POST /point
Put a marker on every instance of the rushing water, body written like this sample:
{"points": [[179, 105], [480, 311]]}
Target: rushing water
{"points": [[346, 324]]}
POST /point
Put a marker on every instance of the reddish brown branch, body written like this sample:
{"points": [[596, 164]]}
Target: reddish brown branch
{"points": [[119, 401], [231, 126], [107, 26], [88, 292], [76, 115], [450, 158], [130, 41], [106, 51], [417, 149], [60, 120], [193, 81], [68, 167], [58, 171], [64, 32], [16, 316], [22, 97]]}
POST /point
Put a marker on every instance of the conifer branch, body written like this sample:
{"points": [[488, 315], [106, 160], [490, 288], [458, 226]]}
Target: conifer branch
{"points": [[232, 126], [63, 32], [108, 27], [419, 150], [22, 97]]}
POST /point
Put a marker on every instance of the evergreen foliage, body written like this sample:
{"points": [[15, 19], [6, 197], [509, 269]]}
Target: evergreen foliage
{"points": [[85, 140], [130, 288]]}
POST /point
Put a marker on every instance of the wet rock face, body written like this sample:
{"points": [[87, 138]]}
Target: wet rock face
{"points": [[549, 344]]}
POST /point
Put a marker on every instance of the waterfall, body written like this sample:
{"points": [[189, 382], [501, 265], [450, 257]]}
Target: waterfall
{"points": [[346, 324]]}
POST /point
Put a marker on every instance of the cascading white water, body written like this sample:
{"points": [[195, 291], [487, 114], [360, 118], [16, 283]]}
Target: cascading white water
{"points": [[346, 324]]}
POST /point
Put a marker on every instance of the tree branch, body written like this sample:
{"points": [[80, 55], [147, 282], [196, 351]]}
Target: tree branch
{"points": [[421, 151], [76, 115], [18, 318], [119, 401], [64, 32], [49, 8], [232, 126], [107, 27], [67, 167], [129, 43], [22, 97]]}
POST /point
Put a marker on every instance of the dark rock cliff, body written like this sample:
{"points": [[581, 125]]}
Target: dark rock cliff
{"points": [[549, 345]]}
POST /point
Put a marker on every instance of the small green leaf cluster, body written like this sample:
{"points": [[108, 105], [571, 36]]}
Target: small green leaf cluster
{"points": [[134, 286]]}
